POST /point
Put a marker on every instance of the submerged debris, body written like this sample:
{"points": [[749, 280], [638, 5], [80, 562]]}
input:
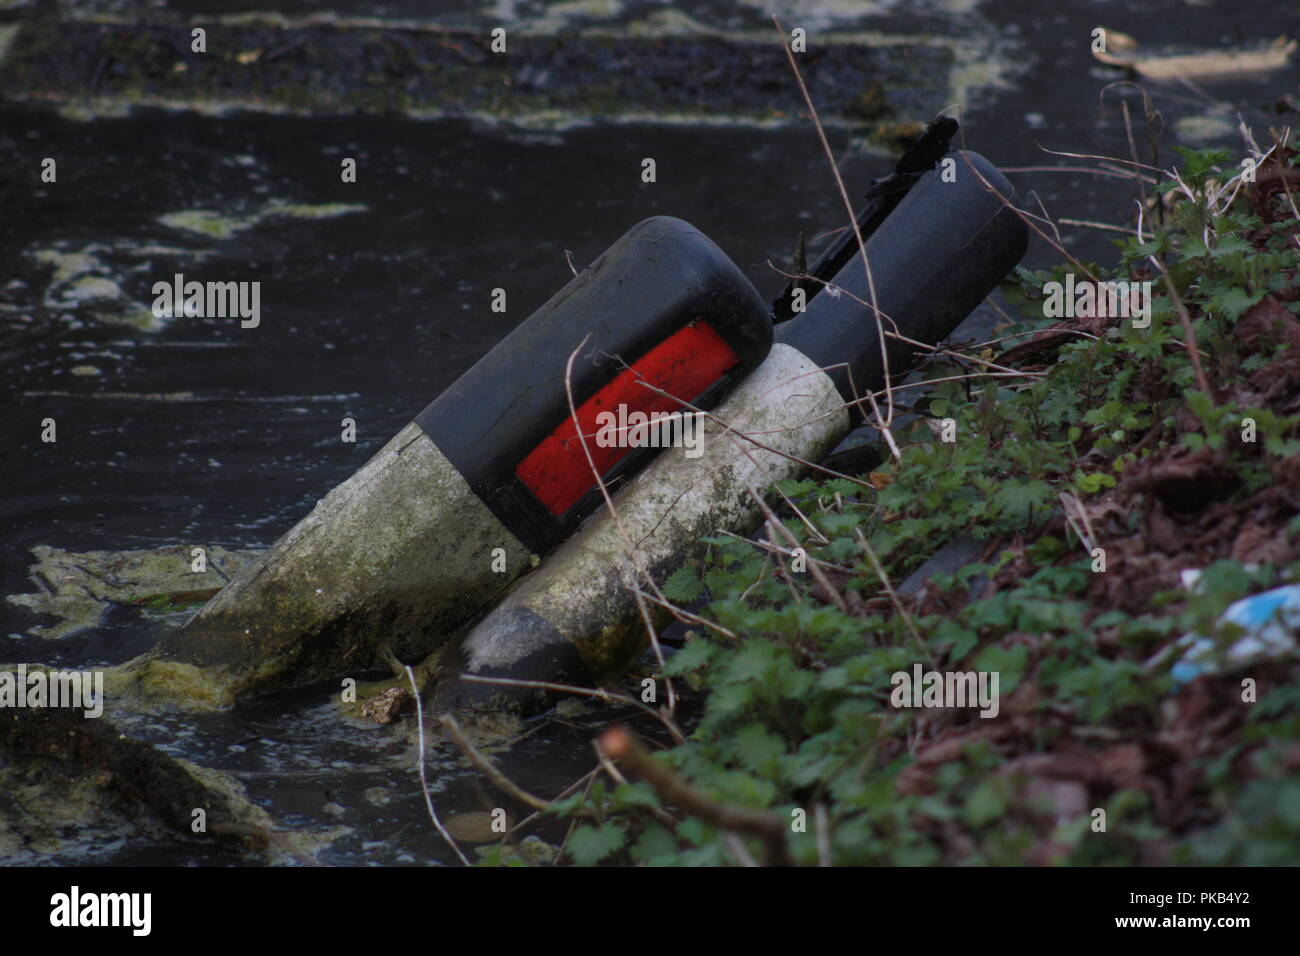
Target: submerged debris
{"points": [[1122, 50], [386, 707]]}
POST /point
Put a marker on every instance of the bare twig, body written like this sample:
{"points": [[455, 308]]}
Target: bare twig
{"points": [[883, 422], [632, 554], [596, 692], [424, 782], [1066, 169], [821, 820], [583, 780], [776, 549], [1076, 516], [1088, 223], [776, 524], [620, 745], [736, 846], [893, 595], [489, 769], [1028, 219], [1190, 336]]}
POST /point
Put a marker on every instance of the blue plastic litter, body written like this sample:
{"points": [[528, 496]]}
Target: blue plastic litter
{"points": [[1271, 620]]}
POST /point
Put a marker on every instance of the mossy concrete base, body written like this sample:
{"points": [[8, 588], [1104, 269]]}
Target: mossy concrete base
{"points": [[391, 562]]}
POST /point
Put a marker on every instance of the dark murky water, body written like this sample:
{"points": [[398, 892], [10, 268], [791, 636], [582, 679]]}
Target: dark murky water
{"points": [[204, 433]]}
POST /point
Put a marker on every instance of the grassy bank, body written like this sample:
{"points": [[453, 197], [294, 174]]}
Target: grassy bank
{"points": [[1092, 462]]}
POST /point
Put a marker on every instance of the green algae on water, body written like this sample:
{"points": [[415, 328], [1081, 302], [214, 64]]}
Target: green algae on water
{"points": [[214, 225], [77, 587]]}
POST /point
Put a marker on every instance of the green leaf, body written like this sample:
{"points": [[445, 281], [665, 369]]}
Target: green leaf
{"points": [[1017, 499], [589, 845], [963, 645], [655, 845], [753, 661], [1233, 302], [683, 585], [628, 795], [758, 747], [1009, 663], [694, 655], [985, 804], [1231, 244]]}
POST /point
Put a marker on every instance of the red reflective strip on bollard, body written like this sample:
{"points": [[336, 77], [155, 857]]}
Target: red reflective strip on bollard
{"points": [[684, 365]]}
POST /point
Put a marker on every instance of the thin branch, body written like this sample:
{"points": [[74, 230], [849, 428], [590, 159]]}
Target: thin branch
{"points": [[620, 745], [596, 692], [631, 552], [893, 595], [424, 782], [883, 422], [489, 769], [1190, 336]]}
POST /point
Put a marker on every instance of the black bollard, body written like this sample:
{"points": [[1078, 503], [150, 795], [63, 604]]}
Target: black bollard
{"points": [[487, 478], [934, 258]]}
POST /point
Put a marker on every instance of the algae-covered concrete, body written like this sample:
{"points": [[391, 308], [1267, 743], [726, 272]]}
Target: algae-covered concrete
{"points": [[396, 557]]}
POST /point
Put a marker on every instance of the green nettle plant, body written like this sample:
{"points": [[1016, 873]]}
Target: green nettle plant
{"points": [[1116, 458]]}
